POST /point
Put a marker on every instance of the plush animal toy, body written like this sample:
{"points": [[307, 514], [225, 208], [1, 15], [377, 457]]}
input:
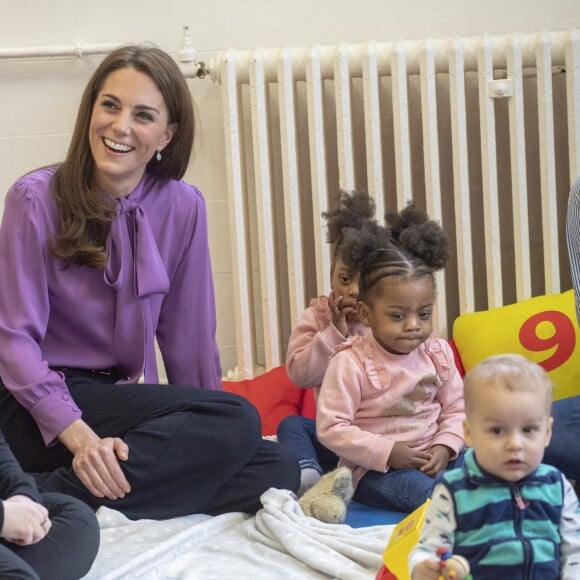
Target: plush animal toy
{"points": [[328, 499]]}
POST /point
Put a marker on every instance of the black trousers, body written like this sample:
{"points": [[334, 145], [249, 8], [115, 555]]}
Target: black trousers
{"points": [[67, 552], [190, 450]]}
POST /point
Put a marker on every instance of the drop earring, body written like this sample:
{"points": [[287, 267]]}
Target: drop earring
{"points": [[158, 156]]}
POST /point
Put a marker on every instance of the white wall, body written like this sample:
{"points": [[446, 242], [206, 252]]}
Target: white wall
{"points": [[38, 100]]}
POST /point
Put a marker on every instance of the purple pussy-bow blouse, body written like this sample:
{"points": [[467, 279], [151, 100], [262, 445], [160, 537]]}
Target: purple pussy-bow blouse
{"points": [[157, 284]]}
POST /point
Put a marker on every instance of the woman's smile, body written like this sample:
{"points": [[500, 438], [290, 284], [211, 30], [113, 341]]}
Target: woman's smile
{"points": [[117, 147]]}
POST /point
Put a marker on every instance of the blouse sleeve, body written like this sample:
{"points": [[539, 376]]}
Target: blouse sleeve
{"points": [[573, 235], [312, 342], [187, 323], [24, 311], [438, 530]]}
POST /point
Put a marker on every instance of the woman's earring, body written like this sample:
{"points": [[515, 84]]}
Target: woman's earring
{"points": [[158, 156]]}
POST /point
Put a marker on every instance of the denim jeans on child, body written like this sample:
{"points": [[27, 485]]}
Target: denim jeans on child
{"points": [[563, 449], [399, 489], [299, 434]]}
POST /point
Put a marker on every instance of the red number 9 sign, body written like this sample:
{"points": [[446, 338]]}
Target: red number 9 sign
{"points": [[563, 337]]}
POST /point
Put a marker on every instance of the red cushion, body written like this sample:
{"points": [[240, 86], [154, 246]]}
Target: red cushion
{"points": [[456, 356], [273, 394]]}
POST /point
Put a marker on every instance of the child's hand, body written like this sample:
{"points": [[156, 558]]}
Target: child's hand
{"points": [[340, 312], [403, 456], [426, 570], [25, 521], [440, 455]]}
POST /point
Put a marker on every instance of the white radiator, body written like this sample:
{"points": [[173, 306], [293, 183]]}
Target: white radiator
{"points": [[483, 133]]}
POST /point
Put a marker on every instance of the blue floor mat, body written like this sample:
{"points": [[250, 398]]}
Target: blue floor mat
{"points": [[362, 516]]}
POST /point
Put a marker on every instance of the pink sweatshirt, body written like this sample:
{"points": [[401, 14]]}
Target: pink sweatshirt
{"points": [[313, 342], [371, 398]]}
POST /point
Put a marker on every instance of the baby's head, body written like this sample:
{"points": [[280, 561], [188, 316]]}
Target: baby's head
{"points": [[508, 402], [397, 283]]}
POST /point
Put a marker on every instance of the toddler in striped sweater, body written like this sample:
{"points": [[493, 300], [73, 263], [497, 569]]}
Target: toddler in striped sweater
{"points": [[507, 513]]}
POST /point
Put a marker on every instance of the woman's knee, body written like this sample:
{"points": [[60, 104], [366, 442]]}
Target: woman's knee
{"points": [[230, 420], [227, 414], [241, 418]]}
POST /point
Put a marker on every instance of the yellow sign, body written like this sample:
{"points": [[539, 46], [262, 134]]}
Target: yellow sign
{"points": [[544, 329], [403, 539]]}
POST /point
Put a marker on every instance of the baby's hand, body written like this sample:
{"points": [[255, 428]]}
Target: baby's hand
{"points": [[25, 521], [426, 570], [403, 456]]}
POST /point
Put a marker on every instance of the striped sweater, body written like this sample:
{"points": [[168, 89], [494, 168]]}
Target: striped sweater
{"points": [[507, 529]]}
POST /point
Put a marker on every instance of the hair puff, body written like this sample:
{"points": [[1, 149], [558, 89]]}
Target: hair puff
{"points": [[414, 232], [355, 208], [362, 247]]}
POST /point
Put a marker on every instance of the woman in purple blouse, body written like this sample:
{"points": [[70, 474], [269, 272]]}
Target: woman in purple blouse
{"points": [[100, 256]]}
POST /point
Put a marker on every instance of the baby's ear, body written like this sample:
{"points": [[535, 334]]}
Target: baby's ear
{"points": [[363, 313]]}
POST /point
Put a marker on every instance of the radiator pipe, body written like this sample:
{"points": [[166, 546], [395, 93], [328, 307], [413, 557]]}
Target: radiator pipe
{"points": [[185, 56]]}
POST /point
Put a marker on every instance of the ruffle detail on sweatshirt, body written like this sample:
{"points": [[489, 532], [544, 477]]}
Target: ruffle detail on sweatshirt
{"points": [[377, 374], [438, 356]]}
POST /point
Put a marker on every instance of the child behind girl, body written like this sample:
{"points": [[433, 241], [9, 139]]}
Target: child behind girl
{"points": [[323, 326], [504, 511], [391, 402]]}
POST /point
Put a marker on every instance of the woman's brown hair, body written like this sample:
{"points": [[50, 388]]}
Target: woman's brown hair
{"points": [[85, 214]]}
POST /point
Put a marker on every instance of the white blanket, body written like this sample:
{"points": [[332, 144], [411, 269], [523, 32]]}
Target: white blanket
{"points": [[278, 542]]}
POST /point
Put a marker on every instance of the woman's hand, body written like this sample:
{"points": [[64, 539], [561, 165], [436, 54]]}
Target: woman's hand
{"points": [[25, 521], [440, 455], [403, 456], [96, 460], [339, 314], [427, 570]]}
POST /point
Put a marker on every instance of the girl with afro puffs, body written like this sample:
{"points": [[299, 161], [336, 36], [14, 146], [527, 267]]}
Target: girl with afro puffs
{"points": [[391, 402]]}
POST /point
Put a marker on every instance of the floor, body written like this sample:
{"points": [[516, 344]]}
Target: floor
{"points": [[361, 516]]}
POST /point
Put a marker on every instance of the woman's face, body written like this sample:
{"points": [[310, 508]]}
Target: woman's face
{"points": [[129, 124]]}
